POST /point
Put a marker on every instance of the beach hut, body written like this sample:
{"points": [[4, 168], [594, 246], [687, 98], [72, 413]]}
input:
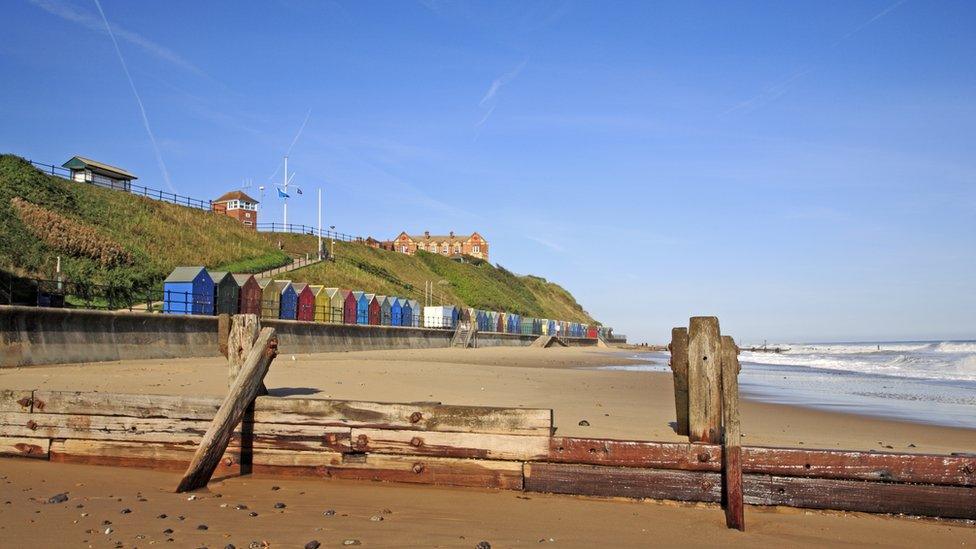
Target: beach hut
{"points": [[406, 313], [455, 316], [374, 310], [334, 304], [527, 324], [552, 328], [591, 332], [270, 298], [306, 302], [441, 316], [415, 312], [288, 308], [396, 311], [350, 307], [248, 295], [386, 310], [321, 303], [500, 322], [543, 326], [510, 323], [188, 291], [226, 292], [362, 307]]}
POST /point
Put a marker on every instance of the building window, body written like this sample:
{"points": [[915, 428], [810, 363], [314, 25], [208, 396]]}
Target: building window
{"points": [[476, 249], [421, 246], [403, 249], [457, 248], [248, 223], [447, 248]]}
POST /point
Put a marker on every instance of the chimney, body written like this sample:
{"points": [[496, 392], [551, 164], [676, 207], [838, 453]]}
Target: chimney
{"points": [[427, 235], [452, 234]]}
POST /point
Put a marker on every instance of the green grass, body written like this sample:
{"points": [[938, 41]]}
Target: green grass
{"points": [[161, 236]]}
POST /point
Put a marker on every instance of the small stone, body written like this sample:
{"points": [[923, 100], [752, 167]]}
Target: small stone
{"points": [[582, 423], [223, 505], [279, 505], [106, 522], [387, 512], [191, 498], [181, 517], [240, 507], [230, 546], [351, 542], [58, 498], [252, 514], [168, 531], [275, 488], [108, 530], [329, 513], [483, 545], [162, 516], [126, 511], [375, 518], [911, 445], [202, 527], [314, 544]]}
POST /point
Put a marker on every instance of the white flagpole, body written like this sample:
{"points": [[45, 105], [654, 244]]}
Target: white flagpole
{"points": [[286, 194], [320, 222]]}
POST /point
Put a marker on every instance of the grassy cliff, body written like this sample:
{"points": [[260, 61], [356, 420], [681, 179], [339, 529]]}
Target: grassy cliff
{"points": [[114, 237]]}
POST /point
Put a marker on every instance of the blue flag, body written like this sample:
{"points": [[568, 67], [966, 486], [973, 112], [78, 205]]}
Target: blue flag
{"points": [[281, 193]]}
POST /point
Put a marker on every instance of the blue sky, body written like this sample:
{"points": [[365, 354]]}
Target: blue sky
{"points": [[805, 171]]}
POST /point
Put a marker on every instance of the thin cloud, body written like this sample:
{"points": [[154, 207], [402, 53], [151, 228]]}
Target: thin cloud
{"points": [[293, 141], [142, 108], [548, 243], [777, 90], [490, 100], [91, 22]]}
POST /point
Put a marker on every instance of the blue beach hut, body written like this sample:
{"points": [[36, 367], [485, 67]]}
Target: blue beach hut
{"points": [[362, 307], [188, 291], [289, 299], [396, 311], [406, 313]]}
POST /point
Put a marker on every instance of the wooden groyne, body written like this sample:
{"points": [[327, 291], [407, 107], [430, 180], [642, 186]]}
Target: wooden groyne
{"points": [[485, 447]]}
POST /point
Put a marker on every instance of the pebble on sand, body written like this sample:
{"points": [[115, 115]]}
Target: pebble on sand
{"points": [[483, 545], [584, 423], [314, 544], [58, 498], [202, 527], [351, 542], [279, 505]]}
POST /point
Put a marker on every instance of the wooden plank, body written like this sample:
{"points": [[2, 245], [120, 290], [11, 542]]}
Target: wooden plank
{"points": [[223, 333], [159, 456], [416, 416], [731, 437], [24, 447], [303, 411], [459, 445], [844, 495], [597, 480], [630, 453], [704, 380], [679, 371], [869, 497], [14, 400], [231, 412], [268, 435], [243, 332], [838, 464]]}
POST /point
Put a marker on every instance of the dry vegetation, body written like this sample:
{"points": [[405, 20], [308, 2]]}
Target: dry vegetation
{"points": [[70, 237]]}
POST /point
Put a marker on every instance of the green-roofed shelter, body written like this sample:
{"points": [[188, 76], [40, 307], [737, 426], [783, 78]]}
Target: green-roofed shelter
{"points": [[86, 170]]}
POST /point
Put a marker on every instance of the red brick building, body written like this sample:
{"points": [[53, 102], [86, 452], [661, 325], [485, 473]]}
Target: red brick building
{"points": [[451, 245], [240, 206]]}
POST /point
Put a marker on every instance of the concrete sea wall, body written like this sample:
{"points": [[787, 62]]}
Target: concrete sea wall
{"points": [[36, 335]]}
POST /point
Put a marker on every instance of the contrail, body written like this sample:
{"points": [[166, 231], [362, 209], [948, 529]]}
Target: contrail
{"points": [[142, 109]]}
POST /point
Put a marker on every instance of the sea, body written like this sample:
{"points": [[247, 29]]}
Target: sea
{"points": [[931, 382]]}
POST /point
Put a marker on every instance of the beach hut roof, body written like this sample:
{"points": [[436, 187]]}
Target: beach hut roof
{"points": [[357, 294], [184, 274], [317, 289], [282, 285], [218, 276], [370, 297], [242, 279], [299, 286], [264, 282]]}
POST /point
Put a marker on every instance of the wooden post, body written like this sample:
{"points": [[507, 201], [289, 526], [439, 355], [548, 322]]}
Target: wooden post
{"points": [[732, 444], [704, 380], [679, 370], [243, 332], [223, 333], [239, 398]]}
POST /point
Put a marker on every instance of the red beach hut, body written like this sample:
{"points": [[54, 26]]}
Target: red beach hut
{"points": [[249, 298], [375, 310], [306, 302], [349, 306]]}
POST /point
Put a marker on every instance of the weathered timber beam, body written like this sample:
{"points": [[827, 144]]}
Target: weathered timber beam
{"points": [[837, 464], [231, 412], [679, 371], [16, 400], [731, 434], [842, 495], [24, 447], [305, 411], [704, 380], [459, 445]]}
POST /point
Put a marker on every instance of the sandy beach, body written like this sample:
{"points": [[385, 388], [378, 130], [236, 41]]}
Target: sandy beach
{"points": [[616, 404]]}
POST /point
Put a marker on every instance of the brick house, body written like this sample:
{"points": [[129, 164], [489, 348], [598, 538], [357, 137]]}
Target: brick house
{"points": [[238, 205], [451, 245]]}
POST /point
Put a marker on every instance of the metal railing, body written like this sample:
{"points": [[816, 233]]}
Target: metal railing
{"points": [[272, 227], [133, 188]]}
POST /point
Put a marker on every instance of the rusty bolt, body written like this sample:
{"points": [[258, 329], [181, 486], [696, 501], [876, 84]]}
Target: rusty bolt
{"points": [[331, 438], [416, 442], [32, 425], [415, 417], [969, 469], [418, 468], [38, 403], [362, 441], [704, 457], [228, 461], [25, 402]]}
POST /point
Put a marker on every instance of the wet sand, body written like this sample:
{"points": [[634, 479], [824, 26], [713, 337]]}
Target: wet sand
{"points": [[630, 405], [412, 516]]}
